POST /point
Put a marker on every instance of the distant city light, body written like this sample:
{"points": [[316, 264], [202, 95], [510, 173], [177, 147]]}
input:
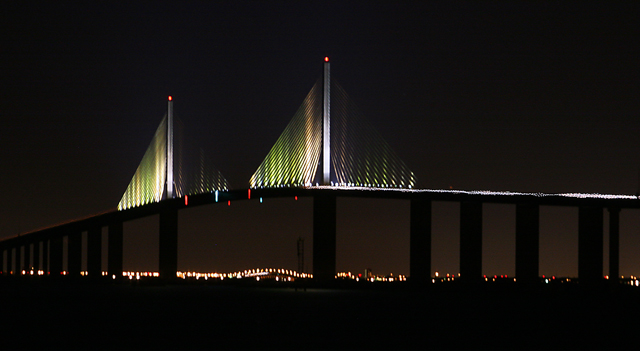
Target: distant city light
{"points": [[371, 277], [286, 275], [258, 274]]}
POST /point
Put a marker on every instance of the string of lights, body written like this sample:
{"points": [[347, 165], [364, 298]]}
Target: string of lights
{"points": [[480, 192]]}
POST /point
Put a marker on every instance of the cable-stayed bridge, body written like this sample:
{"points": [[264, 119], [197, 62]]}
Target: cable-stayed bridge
{"points": [[328, 150], [328, 142], [170, 168]]}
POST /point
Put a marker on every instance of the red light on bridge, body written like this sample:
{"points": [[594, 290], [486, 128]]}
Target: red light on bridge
{"points": [[186, 200], [249, 195], [296, 198], [326, 59], [229, 203], [170, 98]]}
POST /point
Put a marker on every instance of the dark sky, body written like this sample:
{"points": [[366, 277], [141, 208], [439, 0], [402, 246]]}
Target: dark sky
{"points": [[532, 96]]}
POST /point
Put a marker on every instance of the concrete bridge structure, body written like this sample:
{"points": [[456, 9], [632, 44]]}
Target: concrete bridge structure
{"points": [[43, 249], [327, 151]]}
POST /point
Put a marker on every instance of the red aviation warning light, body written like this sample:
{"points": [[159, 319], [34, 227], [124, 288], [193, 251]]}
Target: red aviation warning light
{"points": [[170, 98], [326, 59]]}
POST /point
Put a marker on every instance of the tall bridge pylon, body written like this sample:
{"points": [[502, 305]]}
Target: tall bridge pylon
{"points": [[170, 168], [329, 142]]}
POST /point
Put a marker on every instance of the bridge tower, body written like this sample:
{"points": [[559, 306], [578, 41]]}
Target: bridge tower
{"points": [[169, 177], [168, 229], [328, 142], [324, 206], [326, 124], [168, 241], [169, 169]]}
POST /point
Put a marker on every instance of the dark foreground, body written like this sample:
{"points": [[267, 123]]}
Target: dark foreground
{"points": [[107, 316]]}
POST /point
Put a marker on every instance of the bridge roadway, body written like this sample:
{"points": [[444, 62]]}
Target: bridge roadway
{"points": [[590, 231]]}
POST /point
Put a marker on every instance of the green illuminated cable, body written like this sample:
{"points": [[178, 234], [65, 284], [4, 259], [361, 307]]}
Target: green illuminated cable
{"points": [[147, 184], [359, 154], [193, 172], [293, 160]]}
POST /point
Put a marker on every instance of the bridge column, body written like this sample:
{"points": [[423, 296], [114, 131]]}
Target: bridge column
{"points": [[527, 242], [3, 260], [55, 255], [115, 241], [168, 243], [74, 254], [470, 241], [36, 256], [420, 241], [18, 265], [46, 267], [590, 244], [94, 252], [324, 238], [27, 257], [9, 260], [614, 244]]}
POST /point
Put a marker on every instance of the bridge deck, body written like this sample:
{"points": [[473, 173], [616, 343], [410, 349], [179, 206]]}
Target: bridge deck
{"points": [[504, 197]]}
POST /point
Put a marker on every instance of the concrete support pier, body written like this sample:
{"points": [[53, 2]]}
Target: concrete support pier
{"points": [[46, 267], [55, 255], [114, 258], [9, 260], [18, 265], [94, 252], [614, 244], [168, 242], [27, 257], [36, 256], [527, 243], [324, 238], [590, 245], [471, 241], [420, 241], [74, 254]]}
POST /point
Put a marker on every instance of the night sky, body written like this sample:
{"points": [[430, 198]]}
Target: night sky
{"points": [[531, 96]]}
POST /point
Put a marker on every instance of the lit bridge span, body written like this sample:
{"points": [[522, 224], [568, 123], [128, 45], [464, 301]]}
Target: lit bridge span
{"points": [[328, 150]]}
